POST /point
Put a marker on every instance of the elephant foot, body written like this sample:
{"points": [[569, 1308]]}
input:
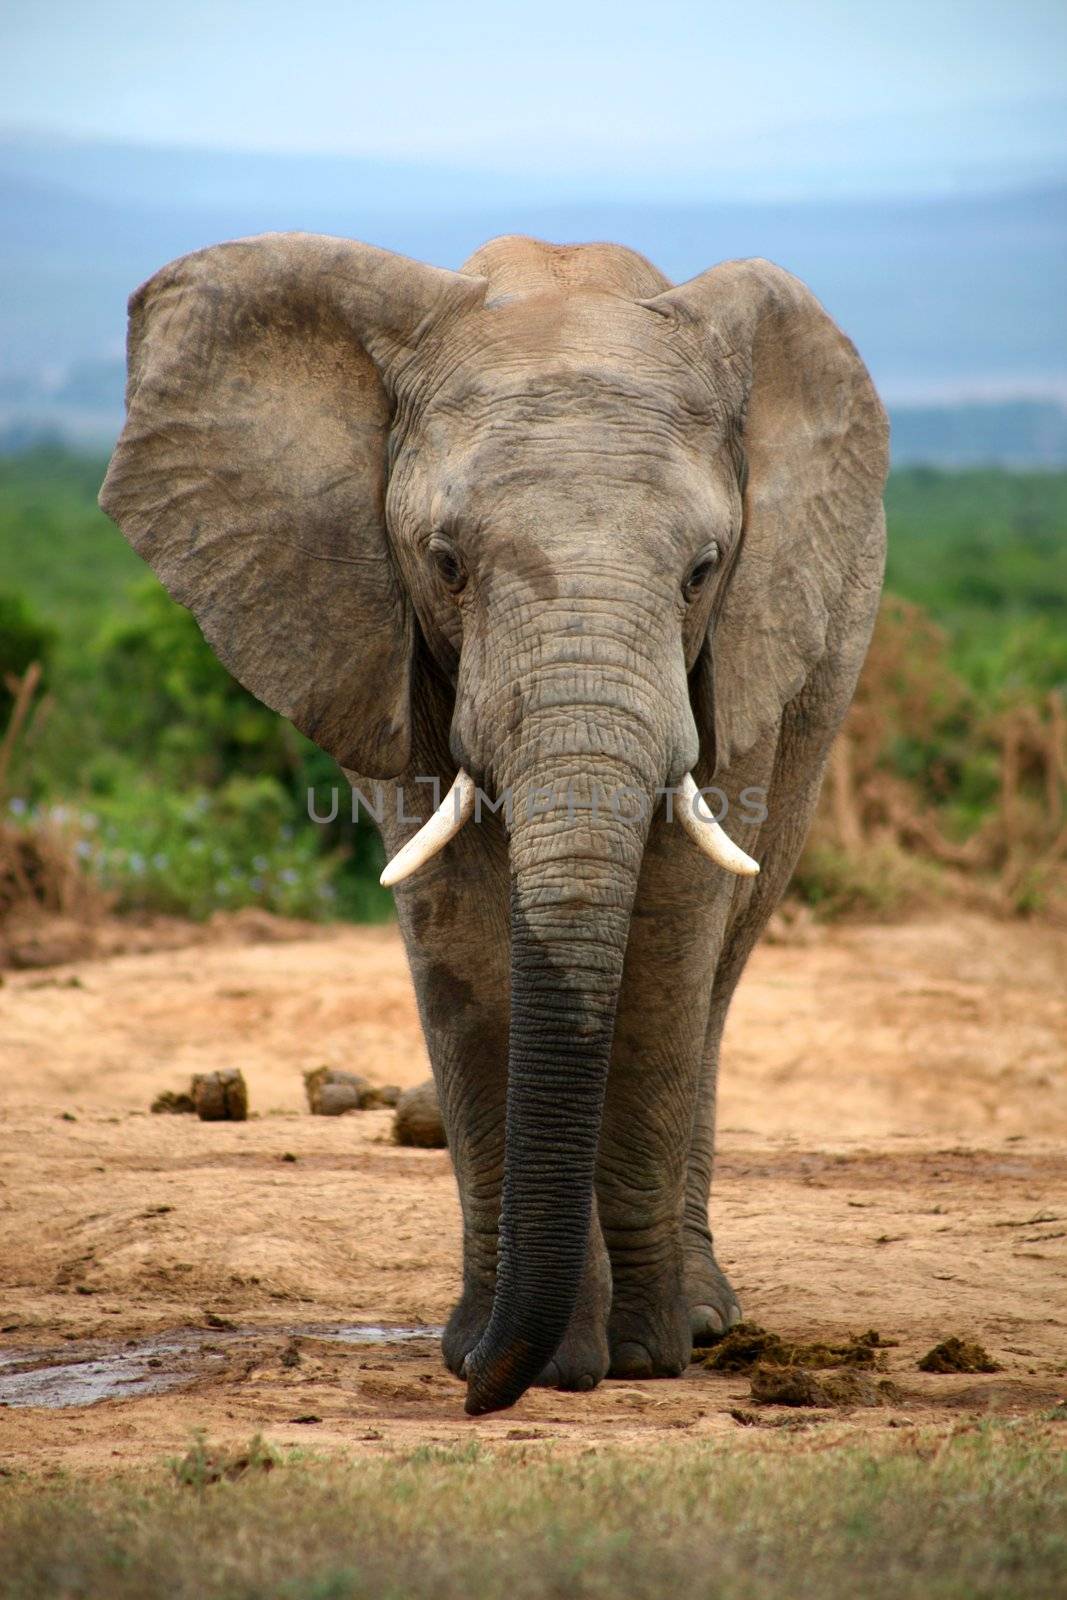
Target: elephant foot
{"points": [[652, 1343], [581, 1360], [713, 1306], [579, 1363], [466, 1324]]}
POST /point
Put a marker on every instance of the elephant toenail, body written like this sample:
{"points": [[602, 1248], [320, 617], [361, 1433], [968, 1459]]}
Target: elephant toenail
{"points": [[586, 1381], [631, 1360], [705, 1322]]}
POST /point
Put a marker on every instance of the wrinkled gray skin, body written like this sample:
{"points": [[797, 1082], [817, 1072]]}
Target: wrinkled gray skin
{"points": [[555, 521]]}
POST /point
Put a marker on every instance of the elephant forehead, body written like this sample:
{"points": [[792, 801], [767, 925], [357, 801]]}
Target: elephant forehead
{"points": [[559, 503], [557, 352], [577, 469], [603, 423], [528, 461]]}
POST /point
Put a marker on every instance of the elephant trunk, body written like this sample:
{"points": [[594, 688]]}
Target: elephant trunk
{"points": [[574, 878]]}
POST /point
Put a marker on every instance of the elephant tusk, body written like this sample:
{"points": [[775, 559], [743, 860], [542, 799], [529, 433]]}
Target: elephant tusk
{"points": [[700, 825], [455, 810]]}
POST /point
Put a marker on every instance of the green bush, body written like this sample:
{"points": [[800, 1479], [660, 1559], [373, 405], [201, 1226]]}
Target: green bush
{"points": [[191, 853], [871, 884], [177, 705], [24, 639]]}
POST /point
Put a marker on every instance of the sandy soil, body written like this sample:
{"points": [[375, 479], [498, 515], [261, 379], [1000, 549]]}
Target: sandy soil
{"points": [[893, 1154]]}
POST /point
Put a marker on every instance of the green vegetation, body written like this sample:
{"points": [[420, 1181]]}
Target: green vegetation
{"points": [[984, 553], [24, 641], [176, 788], [925, 1517], [57, 549], [183, 794]]}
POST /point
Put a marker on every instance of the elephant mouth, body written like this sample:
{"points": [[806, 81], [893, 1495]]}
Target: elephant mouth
{"points": [[459, 805]]}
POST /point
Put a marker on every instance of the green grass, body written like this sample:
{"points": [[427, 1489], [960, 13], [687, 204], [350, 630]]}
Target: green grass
{"points": [[57, 549], [984, 552], [918, 1515]]}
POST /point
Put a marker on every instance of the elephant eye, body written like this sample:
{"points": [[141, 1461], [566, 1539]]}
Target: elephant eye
{"points": [[701, 572], [449, 566]]}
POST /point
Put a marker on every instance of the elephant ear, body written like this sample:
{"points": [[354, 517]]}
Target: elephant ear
{"points": [[251, 471], [813, 440]]}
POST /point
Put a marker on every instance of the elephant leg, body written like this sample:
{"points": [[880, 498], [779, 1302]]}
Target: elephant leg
{"points": [[652, 1086], [796, 769], [454, 918], [713, 1304]]}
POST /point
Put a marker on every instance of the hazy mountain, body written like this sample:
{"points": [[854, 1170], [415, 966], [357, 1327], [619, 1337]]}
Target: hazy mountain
{"points": [[949, 297], [954, 149], [1014, 433]]}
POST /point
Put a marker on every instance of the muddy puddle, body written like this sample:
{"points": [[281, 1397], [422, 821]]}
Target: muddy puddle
{"points": [[83, 1376]]}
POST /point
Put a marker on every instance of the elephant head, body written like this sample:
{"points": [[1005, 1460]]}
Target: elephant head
{"points": [[613, 517]]}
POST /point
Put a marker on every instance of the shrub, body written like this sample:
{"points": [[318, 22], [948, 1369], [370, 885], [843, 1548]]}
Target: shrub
{"points": [[24, 639], [933, 778], [161, 684], [189, 854]]}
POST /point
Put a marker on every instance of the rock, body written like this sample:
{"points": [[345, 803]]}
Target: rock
{"points": [[331, 1093], [418, 1118], [958, 1355], [220, 1096]]}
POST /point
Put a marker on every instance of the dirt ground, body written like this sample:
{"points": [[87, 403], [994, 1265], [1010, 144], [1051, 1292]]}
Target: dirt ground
{"points": [[892, 1155]]}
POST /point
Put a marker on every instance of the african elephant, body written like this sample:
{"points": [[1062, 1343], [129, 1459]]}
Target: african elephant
{"points": [[544, 526]]}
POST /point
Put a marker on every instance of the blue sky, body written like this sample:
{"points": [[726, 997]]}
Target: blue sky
{"points": [[656, 89]]}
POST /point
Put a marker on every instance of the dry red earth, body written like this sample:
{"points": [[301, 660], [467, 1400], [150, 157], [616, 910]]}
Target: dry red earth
{"points": [[892, 1155]]}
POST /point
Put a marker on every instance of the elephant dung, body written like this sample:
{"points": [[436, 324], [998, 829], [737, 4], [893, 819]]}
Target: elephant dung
{"points": [[748, 1344], [376, 1096], [958, 1355], [331, 1093], [389, 1094], [221, 1096], [174, 1104], [418, 1118], [796, 1386]]}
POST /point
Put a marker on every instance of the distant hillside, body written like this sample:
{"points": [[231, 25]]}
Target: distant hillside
{"points": [[1019, 433], [955, 298]]}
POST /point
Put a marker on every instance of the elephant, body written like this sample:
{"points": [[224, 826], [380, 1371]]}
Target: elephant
{"points": [[546, 526]]}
